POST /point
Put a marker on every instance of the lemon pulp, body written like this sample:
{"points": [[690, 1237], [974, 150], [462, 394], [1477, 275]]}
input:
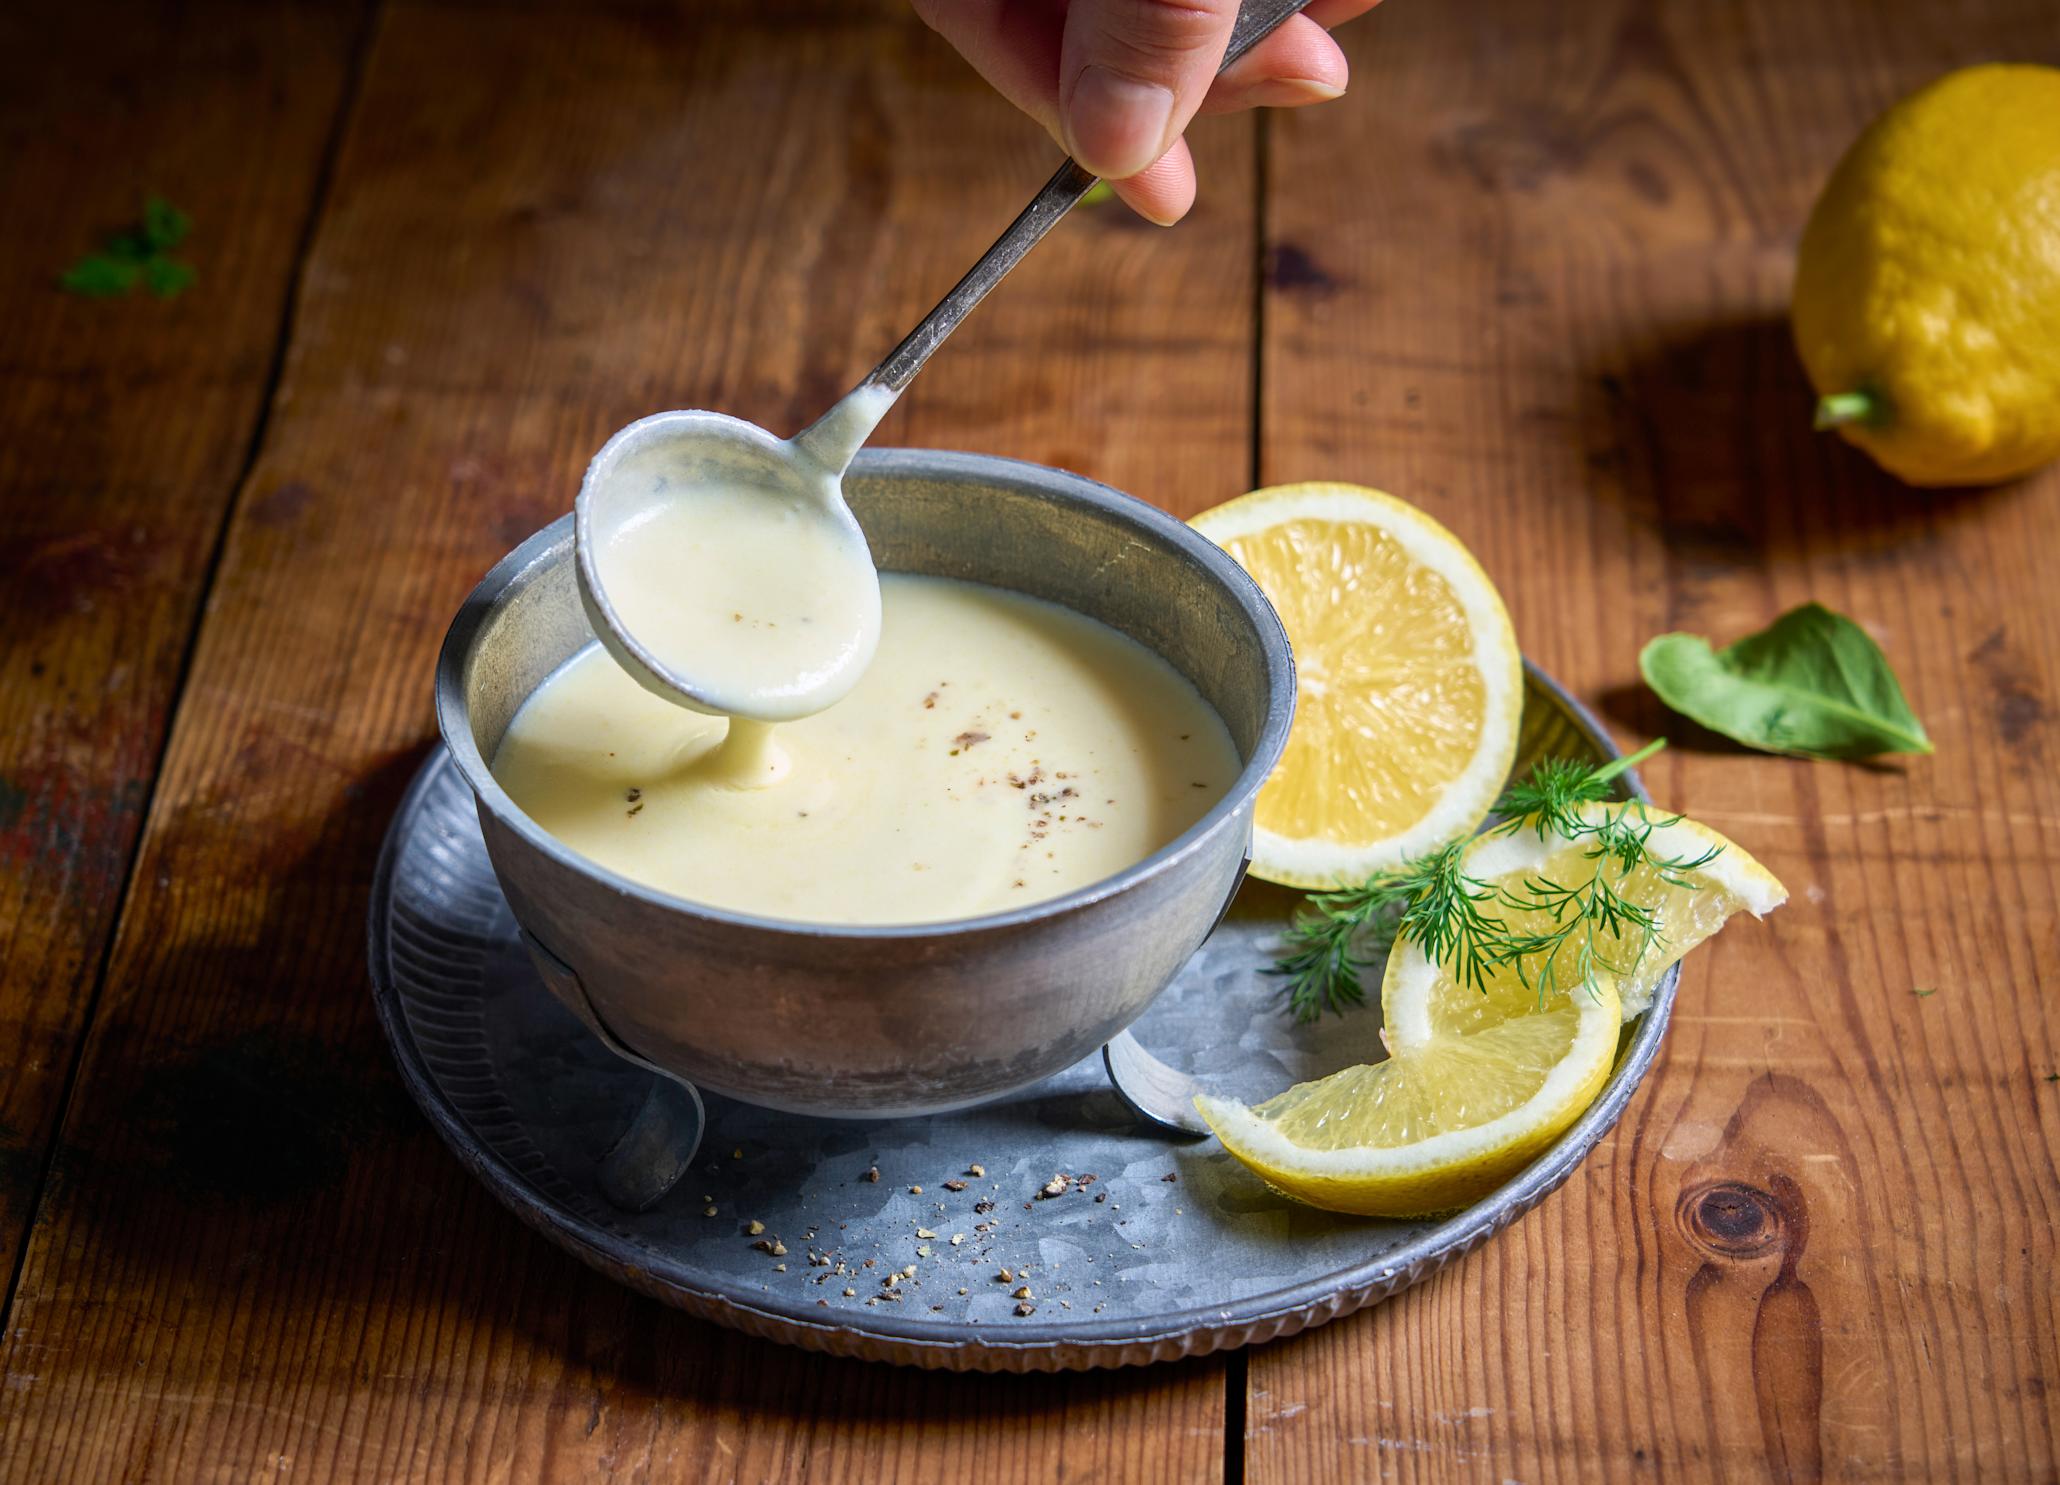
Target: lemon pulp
{"points": [[1409, 683], [1366, 677]]}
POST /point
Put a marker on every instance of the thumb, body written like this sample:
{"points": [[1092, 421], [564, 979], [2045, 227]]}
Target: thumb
{"points": [[1132, 73]]}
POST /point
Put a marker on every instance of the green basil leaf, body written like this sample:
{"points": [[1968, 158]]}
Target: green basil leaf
{"points": [[1811, 683]]}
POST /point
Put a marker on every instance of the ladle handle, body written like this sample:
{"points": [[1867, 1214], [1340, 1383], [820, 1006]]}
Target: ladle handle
{"points": [[1256, 20]]}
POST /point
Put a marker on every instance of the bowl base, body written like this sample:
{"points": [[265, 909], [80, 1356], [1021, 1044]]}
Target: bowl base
{"points": [[640, 1169]]}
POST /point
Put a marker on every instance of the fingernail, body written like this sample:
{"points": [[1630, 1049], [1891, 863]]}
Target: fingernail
{"points": [[1157, 218], [1116, 125], [1308, 89]]}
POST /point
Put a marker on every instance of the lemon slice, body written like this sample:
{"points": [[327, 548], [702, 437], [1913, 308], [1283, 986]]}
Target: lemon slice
{"points": [[1478, 1082], [1409, 681]]}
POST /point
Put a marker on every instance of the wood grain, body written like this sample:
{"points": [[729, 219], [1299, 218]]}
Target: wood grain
{"points": [[124, 426], [1533, 275], [253, 1258]]}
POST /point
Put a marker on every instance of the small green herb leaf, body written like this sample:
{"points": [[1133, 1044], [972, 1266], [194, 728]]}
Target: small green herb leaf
{"points": [[136, 255], [167, 277], [1097, 193], [164, 225], [1921, 993], [101, 276], [1812, 683]]}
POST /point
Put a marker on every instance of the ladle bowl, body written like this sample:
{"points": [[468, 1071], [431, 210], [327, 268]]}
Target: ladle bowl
{"points": [[701, 450]]}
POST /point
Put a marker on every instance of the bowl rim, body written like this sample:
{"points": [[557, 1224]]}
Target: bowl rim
{"points": [[1060, 486]]}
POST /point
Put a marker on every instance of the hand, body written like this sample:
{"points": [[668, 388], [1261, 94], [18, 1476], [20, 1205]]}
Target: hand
{"points": [[1116, 81]]}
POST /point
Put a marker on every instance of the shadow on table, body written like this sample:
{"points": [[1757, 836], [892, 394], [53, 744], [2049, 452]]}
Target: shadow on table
{"points": [[1709, 439], [241, 1066], [1637, 710], [1702, 432]]}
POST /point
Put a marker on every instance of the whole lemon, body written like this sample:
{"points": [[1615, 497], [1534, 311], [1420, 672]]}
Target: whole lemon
{"points": [[1927, 287]]}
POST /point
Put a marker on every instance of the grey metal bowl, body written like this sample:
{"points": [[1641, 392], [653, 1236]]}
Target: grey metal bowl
{"points": [[875, 1022]]}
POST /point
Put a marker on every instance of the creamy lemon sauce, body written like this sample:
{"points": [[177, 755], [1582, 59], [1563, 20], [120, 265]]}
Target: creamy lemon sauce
{"points": [[997, 751], [751, 593], [740, 572]]}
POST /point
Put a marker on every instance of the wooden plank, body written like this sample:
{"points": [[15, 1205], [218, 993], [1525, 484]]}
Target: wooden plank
{"points": [[124, 426], [1537, 282], [544, 223]]}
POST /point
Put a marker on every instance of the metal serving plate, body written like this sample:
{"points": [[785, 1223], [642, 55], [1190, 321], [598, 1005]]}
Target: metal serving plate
{"points": [[1173, 1249]]}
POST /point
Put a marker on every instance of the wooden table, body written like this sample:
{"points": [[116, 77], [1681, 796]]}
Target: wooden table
{"points": [[1531, 274]]}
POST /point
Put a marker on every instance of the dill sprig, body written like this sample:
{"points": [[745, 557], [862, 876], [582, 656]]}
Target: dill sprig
{"points": [[1459, 919], [1551, 799], [1428, 898]]}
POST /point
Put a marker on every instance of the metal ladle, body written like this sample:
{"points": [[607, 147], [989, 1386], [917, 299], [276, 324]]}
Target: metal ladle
{"points": [[807, 470]]}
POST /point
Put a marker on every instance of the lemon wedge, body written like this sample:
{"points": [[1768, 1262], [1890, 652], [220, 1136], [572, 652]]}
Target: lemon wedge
{"points": [[1480, 1087], [1686, 907], [1409, 681], [1479, 1081]]}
